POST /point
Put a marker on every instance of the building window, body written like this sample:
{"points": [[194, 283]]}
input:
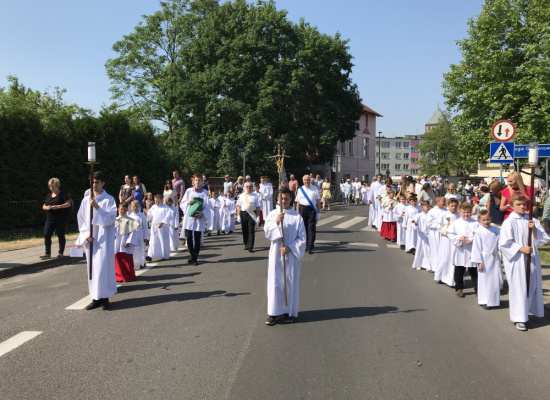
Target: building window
{"points": [[405, 156], [386, 144], [385, 166], [414, 171], [377, 154], [414, 160], [398, 167], [350, 147], [377, 166], [406, 167], [347, 176], [365, 148], [414, 150], [377, 143], [365, 178], [397, 145], [406, 145], [398, 156], [385, 155], [342, 148]]}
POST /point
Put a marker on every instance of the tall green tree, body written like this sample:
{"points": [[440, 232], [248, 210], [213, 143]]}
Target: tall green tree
{"points": [[504, 74], [441, 152], [249, 77]]}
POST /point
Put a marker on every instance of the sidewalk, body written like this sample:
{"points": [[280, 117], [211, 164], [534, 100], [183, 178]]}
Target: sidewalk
{"points": [[21, 261], [15, 262]]}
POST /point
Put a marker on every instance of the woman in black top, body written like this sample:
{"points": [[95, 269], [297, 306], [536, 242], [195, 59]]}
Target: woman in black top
{"points": [[497, 216], [56, 205]]}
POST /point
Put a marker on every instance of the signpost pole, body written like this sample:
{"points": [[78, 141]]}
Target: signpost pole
{"points": [[501, 172]]}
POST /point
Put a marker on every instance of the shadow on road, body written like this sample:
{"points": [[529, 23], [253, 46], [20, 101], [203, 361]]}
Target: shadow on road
{"points": [[153, 300], [351, 312]]}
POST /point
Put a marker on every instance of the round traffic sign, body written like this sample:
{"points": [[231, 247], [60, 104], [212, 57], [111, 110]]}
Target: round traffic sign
{"points": [[503, 131]]}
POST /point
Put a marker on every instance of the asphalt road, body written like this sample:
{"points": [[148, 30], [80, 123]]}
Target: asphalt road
{"points": [[370, 327]]}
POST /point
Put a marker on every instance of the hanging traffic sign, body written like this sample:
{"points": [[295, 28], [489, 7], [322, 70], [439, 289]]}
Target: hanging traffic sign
{"points": [[503, 130], [502, 153]]}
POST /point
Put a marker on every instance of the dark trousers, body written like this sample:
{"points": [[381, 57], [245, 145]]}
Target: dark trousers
{"points": [[310, 221], [459, 277], [59, 227], [193, 239], [248, 225]]}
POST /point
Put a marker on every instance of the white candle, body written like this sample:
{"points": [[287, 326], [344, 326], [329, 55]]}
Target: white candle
{"points": [[91, 151], [533, 155]]}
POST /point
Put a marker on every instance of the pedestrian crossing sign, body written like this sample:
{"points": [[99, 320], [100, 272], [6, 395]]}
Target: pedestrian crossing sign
{"points": [[502, 153]]}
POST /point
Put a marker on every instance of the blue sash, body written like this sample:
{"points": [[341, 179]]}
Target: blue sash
{"points": [[307, 198]]}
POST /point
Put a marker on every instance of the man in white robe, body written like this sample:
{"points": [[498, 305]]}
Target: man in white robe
{"points": [[161, 219], [293, 252], [195, 224], [373, 201], [513, 245], [102, 283], [266, 196]]}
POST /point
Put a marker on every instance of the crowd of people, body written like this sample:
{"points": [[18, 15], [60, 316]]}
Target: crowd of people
{"points": [[449, 234], [449, 229]]}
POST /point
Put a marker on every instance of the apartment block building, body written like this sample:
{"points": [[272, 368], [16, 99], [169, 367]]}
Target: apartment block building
{"points": [[397, 156]]}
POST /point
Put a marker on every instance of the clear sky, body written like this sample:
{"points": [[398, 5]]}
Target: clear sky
{"points": [[401, 48]]}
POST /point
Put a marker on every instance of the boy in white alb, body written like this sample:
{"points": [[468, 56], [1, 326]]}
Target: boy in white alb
{"points": [[447, 249], [214, 220], [420, 224], [142, 234], [389, 224], [485, 255], [514, 248], [400, 219], [228, 211], [411, 234], [435, 223], [160, 216], [461, 234], [175, 224]]}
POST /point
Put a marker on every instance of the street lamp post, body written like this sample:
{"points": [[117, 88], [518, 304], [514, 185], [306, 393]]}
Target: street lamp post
{"points": [[379, 147]]}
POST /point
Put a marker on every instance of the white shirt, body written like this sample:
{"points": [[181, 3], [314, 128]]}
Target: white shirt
{"points": [[313, 194]]}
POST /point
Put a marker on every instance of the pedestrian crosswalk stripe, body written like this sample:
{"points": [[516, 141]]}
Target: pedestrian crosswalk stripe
{"points": [[330, 219], [16, 341], [369, 228], [351, 222], [364, 244], [393, 246], [328, 242]]}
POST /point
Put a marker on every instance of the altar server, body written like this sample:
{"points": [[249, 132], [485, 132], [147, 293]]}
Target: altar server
{"points": [[125, 242], [485, 256], [513, 245], [160, 216], [411, 234], [102, 283], [447, 248], [420, 224], [292, 252], [142, 234], [400, 218], [174, 222], [266, 197]]}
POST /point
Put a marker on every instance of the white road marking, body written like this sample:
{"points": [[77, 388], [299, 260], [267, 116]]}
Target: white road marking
{"points": [[82, 303], [16, 341], [329, 220], [369, 228], [364, 244], [351, 222], [393, 246], [327, 242]]}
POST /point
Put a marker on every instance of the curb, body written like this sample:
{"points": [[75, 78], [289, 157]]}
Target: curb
{"points": [[39, 266]]}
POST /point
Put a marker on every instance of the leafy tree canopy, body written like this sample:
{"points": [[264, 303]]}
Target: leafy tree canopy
{"points": [[239, 74], [504, 74]]}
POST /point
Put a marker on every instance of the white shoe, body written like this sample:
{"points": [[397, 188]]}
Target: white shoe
{"points": [[418, 268]]}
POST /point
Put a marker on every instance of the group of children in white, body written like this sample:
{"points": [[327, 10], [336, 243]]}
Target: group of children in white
{"points": [[447, 240]]}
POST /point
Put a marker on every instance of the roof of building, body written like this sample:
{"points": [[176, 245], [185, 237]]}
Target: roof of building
{"points": [[436, 117], [370, 110]]}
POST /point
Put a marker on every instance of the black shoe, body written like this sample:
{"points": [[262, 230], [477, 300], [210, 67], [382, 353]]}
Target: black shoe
{"points": [[165, 259], [195, 263], [251, 250], [60, 255], [413, 252], [148, 258], [143, 266], [190, 260], [271, 320], [209, 234], [218, 233], [402, 247], [45, 257], [486, 307], [94, 304], [287, 319], [310, 251], [246, 248], [105, 305], [373, 226]]}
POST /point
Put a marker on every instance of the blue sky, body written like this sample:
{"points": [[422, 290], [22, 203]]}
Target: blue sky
{"points": [[401, 48]]}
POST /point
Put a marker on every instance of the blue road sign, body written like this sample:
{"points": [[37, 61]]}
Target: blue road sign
{"points": [[522, 150], [502, 153]]}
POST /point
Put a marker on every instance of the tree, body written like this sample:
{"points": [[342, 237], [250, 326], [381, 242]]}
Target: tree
{"points": [[504, 74], [441, 153], [249, 77]]}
